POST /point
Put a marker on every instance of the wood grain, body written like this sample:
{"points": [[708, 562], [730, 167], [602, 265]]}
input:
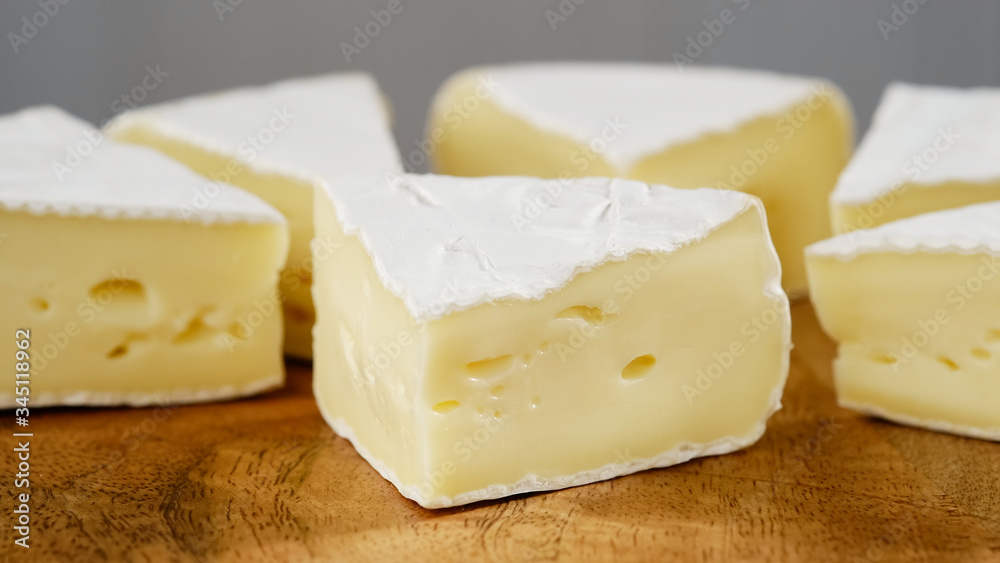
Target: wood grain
{"points": [[266, 479]]}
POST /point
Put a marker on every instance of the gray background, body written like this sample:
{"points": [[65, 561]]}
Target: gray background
{"points": [[93, 51]]}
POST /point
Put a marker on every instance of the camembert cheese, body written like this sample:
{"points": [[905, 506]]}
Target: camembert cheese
{"points": [[276, 141], [782, 138], [928, 148], [915, 307], [122, 298], [475, 353]]}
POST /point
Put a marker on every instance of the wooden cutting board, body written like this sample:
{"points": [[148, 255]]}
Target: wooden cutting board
{"points": [[266, 479]]}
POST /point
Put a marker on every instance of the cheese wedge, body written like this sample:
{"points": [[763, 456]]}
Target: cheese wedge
{"points": [[630, 326], [782, 138], [275, 141], [915, 308], [122, 300], [928, 148]]}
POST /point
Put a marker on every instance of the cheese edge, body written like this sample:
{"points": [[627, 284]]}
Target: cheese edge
{"points": [[179, 396], [870, 409], [533, 483]]}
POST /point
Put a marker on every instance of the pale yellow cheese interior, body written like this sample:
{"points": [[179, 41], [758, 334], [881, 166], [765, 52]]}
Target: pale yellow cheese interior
{"points": [[792, 165], [908, 200], [289, 194], [141, 312], [603, 371], [918, 334]]}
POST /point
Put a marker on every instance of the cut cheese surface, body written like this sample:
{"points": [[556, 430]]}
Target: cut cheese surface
{"points": [[915, 308], [782, 138], [929, 148], [128, 294], [477, 354], [276, 141]]}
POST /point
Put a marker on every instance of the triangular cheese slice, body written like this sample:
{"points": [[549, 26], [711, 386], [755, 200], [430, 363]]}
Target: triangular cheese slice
{"points": [[476, 353], [276, 141], [915, 308], [782, 138], [928, 148], [119, 289]]}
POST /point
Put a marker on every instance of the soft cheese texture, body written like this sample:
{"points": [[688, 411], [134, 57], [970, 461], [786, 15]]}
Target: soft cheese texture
{"points": [[928, 148], [130, 295], [474, 356], [915, 307], [782, 138], [276, 141]]}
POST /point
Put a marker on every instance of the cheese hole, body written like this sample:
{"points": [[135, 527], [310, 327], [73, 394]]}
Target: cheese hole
{"points": [[39, 305], [981, 353], [497, 392], [445, 407], [544, 347], [484, 369], [593, 316], [125, 347], [121, 299], [993, 336], [497, 413], [527, 359], [884, 359], [118, 291], [948, 362], [638, 367], [118, 351], [195, 330], [536, 401]]}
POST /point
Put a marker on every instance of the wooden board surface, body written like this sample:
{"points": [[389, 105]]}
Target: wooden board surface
{"points": [[266, 479]]}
